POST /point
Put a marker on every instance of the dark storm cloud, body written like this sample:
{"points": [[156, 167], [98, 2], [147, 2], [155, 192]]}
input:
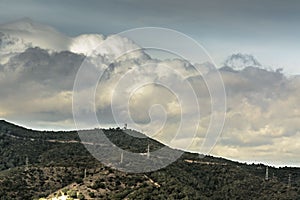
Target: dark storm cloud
{"points": [[269, 28], [56, 71]]}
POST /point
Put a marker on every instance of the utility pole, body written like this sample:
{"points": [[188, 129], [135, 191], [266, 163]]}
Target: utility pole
{"points": [[26, 164], [267, 173], [121, 161], [148, 152], [85, 173], [290, 180]]}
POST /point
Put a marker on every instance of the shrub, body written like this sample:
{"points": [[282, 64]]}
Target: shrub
{"points": [[80, 196], [92, 194]]}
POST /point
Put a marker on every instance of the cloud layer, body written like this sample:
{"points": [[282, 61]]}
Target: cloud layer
{"points": [[37, 77]]}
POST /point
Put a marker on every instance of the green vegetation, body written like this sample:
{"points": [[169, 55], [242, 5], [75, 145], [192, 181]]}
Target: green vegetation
{"points": [[32, 167]]}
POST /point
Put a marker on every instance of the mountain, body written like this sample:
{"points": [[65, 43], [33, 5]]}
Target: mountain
{"points": [[36, 164]]}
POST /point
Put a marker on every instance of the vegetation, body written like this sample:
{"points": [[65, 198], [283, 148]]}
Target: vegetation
{"points": [[36, 164]]}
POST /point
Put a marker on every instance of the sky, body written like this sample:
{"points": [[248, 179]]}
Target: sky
{"points": [[43, 45], [267, 29]]}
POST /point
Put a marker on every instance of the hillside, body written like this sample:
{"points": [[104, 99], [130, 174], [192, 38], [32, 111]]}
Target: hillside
{"points": [[35, 164]]}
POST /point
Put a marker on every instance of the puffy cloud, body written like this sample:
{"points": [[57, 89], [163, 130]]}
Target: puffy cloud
{"points": [[262, 113], [262, 117], [240, 61], [21, 34]]}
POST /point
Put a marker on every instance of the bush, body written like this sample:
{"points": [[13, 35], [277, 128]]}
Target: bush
{"points": [[72, 193], [92, 194], [102, 186], [78, 180], [80, 196]]}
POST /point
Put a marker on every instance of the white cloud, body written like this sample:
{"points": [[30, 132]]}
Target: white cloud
{"points": [[263, 114]]}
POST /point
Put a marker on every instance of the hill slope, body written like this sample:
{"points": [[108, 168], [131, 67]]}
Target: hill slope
{"points": [[37, 164]]}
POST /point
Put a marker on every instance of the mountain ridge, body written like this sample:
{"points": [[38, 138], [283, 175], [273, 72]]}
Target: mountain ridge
{"points": [[39, 168]]}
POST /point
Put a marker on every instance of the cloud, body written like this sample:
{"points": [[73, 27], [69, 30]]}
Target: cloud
{"points": [[240, 61], [262, 121], [262, 112], [24, 33]]}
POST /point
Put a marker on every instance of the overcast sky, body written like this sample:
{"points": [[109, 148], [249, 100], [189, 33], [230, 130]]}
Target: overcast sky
{"points": [[268, 29]]}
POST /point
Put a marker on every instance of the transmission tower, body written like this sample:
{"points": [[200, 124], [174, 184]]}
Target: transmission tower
{"points": [[26, 163], [148, 152], [290, 180], [267, 173], [121, 160]]}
